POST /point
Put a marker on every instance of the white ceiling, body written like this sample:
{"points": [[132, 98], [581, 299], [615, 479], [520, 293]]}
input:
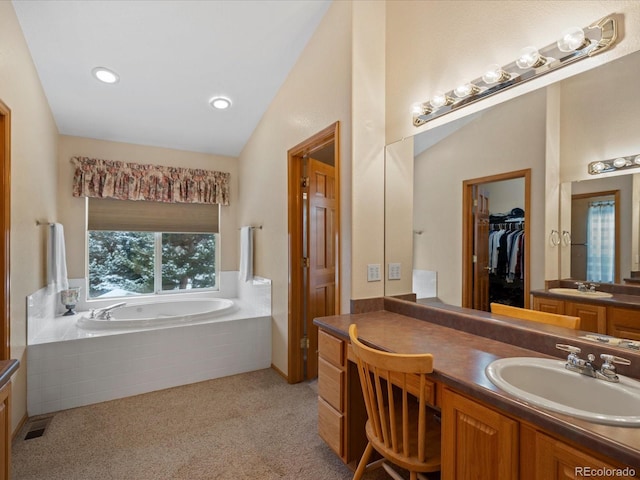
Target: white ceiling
{"points": [[172, 56]]}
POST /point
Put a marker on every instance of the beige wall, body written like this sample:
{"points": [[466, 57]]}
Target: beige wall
{"points": [[34, 138], [72, 210], [427, 51], [316, 94]]}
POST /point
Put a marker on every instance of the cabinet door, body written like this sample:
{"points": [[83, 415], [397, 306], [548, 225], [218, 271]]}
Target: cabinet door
{"points": [[549, 305], [593, 318], [477, 442], [5, 432], [623, 323], [556, 460]]}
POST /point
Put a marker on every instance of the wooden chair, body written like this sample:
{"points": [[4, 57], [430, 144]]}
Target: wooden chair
{"points": [[536, 316], [400, 426]]}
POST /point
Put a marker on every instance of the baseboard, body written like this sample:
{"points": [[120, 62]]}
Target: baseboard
{"points": [[18, 429], [280, 372]]}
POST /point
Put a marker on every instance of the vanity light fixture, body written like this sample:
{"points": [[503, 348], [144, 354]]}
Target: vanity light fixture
{"points": [[614, 164], [220, 103], [573, 45], [105, 75]]}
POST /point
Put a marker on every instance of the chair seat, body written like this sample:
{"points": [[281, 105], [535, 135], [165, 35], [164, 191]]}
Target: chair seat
{"points": [[432, 454]]}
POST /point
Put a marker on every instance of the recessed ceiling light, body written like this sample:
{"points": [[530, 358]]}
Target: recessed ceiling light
{"points": [[220, 103], [105, 75]]}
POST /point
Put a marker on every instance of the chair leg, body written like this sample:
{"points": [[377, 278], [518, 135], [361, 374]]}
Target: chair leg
{"points": [[363, 462], [413, 475]]}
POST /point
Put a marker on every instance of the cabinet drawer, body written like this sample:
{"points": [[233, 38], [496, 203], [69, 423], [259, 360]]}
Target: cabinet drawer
{"points": [[548, 305], [330, 384], [623, 323], [331, 348], [331, 426], [413, 386]]}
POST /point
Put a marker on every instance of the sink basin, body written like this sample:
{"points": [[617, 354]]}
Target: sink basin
{"points": [[575, 292], [547, 384]]}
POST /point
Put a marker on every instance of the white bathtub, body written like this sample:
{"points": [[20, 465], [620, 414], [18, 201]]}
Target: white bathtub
{"points": [[159, 313]]}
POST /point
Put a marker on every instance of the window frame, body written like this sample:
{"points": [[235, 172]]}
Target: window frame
{"points": [[157, 265]]}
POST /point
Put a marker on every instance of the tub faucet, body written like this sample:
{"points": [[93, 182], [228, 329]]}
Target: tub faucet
{"points": [[105, 313]]}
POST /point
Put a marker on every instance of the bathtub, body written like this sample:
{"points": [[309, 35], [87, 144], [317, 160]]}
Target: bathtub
{"points": [[70, 366], [159, 313]]}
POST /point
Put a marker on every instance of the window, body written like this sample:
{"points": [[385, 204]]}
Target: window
{"points": [[140, 248]]}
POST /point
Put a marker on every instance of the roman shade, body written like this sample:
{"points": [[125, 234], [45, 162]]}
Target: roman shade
{"points": [[133, 216]]}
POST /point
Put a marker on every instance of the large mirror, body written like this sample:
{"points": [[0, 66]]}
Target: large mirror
{"points": [[554, 132]]}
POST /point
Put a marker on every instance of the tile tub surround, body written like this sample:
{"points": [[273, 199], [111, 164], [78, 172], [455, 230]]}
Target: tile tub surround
{"points": [[69, 366]]}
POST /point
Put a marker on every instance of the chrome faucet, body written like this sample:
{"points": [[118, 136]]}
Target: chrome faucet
{"points": [[592, 287], [586, 367], [581, 286], [105, 313]]}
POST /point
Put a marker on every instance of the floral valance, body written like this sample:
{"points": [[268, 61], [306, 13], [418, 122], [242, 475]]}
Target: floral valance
{"points": [[133, 181]]}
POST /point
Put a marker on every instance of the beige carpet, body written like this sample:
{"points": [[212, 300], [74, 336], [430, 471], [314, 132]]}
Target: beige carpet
{"points": [[249, 426]]}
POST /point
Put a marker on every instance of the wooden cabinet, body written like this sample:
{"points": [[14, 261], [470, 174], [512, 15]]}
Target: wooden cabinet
{"points": [[5, 435], [593, 318], [623, 323], [544, 457], [477, 442], [610, 320], [331, 391], [549, 305]]}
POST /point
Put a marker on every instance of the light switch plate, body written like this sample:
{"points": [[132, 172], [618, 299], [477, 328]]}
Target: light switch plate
{"points": [[394, 271], [373, 272]]}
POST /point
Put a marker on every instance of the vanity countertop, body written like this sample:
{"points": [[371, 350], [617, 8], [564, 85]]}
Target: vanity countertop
{"points": [[460, 359], [623, 300], [7, 368]]}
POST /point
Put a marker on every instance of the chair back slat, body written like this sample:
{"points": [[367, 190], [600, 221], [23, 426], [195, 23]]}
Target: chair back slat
{"points": [[389, 404]]}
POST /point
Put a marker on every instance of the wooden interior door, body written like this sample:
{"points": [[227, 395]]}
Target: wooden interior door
{"points": [[321, 252], [480, 249]]}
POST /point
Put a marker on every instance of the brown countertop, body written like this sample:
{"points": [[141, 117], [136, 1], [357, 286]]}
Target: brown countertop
{"points": [[7, 368], [460, 359]]}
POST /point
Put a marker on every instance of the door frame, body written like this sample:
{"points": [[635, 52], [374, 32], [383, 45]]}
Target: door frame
{"points": [[330, 134], [467, 231], [5, 230], [616, 196]]}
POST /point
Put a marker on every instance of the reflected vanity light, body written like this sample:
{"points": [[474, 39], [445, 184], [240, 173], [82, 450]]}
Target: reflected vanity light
{"points": [[574, 44], [614, 164]]}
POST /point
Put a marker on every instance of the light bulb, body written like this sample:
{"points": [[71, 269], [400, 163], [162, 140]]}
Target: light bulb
{"points": [[619, 162], [417, 109], [598, 167], [220, 103], [571, 39], [440, 99], [465, 89], [529, 57], [494, 74], [637, 160], [105, 75]]}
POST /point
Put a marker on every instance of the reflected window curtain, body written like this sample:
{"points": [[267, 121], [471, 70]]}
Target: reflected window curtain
{"points": [[600, 242]]}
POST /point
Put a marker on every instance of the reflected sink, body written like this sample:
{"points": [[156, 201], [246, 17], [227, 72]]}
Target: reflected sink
{"points": [[575, 292], [547, 384]]}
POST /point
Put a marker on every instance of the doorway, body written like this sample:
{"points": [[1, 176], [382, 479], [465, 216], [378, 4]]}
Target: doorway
{"points": [[496, 222], [314, 250], [5, 228]]}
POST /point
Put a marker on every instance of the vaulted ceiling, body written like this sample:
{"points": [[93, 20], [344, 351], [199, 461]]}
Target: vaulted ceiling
{"points": [[172, 58]]}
